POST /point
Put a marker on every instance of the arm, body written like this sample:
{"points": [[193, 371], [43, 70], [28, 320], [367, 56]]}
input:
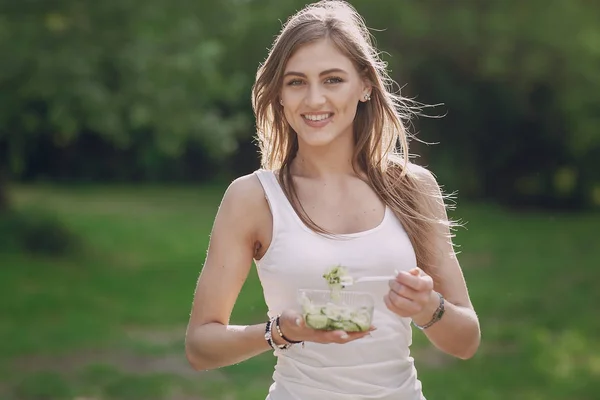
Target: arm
{"points": [[458, 332], [413, 294], [210, 341]]}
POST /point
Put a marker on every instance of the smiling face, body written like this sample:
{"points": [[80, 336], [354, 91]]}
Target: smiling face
{"points": [[320, 94]]}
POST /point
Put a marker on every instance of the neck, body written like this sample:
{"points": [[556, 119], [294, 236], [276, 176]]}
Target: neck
{"points": [[318, 162]]}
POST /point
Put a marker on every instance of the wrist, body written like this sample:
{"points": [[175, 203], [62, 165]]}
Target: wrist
{"points": [[429, 311], [276, 336], [280, 331], [271, 336]]}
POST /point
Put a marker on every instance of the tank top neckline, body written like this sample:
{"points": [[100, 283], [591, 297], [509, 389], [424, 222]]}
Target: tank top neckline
{"points": [[296, 217]]}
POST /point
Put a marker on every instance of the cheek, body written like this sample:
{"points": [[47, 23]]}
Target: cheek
{"points": [[291, 102], [289, 117], [350, 109], [348, 103]]}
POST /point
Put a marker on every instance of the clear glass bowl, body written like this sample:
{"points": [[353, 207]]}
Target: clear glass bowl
{"points": [[343, 310]]}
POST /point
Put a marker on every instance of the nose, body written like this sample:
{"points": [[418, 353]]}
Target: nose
{"points": [[315, 97]]}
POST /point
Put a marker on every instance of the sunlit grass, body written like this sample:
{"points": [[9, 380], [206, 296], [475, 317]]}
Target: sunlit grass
{"points": [[109, 323]]}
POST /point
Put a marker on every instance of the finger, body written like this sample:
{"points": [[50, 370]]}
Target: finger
{"points": [[346, 337], [336, 336], [392, 307], [400, 305], [419, 297], [406, 278], [340, 336], [403, 290], [419, 283], [357, 335]]}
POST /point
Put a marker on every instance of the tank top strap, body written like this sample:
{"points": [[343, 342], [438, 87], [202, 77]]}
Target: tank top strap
{"points": [[281, 209]]}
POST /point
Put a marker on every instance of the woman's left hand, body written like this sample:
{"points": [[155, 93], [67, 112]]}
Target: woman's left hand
{"points": [[411, 295]]}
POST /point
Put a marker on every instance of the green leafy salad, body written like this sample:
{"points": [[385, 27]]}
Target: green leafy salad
{"points": [[334, 314], [337, 278]]}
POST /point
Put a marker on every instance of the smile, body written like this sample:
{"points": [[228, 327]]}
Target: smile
{"points": [[317, 117]]}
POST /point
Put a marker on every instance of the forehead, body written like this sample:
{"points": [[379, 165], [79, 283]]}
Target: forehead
{"points": [[318, 56]]}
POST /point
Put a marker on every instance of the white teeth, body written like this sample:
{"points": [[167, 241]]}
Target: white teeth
{"points": [[319, 117]]}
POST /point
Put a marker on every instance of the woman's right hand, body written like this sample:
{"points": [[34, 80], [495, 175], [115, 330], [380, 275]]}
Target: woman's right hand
{"points": [[293, 327]]}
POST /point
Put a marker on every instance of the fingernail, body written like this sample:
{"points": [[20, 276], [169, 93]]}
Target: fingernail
{"points": [[298, 321]]}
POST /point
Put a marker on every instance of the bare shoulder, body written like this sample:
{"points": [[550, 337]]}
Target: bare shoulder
{"points": [[431, 190], [245, 206], [422, 174], [424, 180], [244, 192]]}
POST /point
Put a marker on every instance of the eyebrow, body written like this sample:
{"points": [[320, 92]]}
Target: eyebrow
{"points": [[326, 72]]}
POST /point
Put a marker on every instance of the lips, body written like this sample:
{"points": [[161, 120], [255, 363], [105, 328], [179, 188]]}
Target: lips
{"points": [[317, 117], [315, 120]]}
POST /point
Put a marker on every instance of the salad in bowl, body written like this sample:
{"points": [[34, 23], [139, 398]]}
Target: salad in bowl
{"points": [[335, 309]]}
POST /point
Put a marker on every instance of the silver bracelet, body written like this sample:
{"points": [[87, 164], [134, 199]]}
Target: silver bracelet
{"points": [[437, 315]]}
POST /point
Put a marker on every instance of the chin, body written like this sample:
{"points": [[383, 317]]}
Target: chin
{"points": [[316, 142], [318, 139]]}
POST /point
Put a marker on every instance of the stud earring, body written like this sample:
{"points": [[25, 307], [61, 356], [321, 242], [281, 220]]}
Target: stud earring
{"points": [[281, 102], [367, 97]]}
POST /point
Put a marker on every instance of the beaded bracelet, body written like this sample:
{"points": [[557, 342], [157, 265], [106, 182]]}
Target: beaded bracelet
{"points": [[269, 336], [277, 326]]}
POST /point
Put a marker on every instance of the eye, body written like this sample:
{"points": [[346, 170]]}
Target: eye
{"points": [[334, 80], [294, 82]]}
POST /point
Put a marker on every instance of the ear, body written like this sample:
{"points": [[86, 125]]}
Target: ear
{"points": [[367, 89]]}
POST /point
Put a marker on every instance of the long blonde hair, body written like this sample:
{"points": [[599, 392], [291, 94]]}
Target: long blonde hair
{"points": [[381, 139]]}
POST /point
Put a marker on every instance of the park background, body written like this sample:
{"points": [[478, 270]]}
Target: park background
{"points": [[122, 123]]}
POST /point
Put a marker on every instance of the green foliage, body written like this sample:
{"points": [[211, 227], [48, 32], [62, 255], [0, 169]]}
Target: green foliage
{"points": [[156, 82], [518, 80], [119, 69]]}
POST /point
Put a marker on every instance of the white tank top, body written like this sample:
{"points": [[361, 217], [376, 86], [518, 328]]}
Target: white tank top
{"points": [[375, 367]]}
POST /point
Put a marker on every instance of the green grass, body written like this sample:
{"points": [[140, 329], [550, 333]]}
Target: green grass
{"points": [[109, 323]]}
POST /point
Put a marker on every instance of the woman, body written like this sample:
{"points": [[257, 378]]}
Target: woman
{"points": [[333, 190]]}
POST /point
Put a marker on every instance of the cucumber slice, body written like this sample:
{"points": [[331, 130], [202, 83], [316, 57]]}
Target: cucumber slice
{"points": [[337, 325], [333, 316], [350, 326], [362, 322], [317, 321]]}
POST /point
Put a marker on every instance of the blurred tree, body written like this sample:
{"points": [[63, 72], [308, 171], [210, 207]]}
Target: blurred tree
{"points": [[518, 80], [145, 72], [157, 79]]}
